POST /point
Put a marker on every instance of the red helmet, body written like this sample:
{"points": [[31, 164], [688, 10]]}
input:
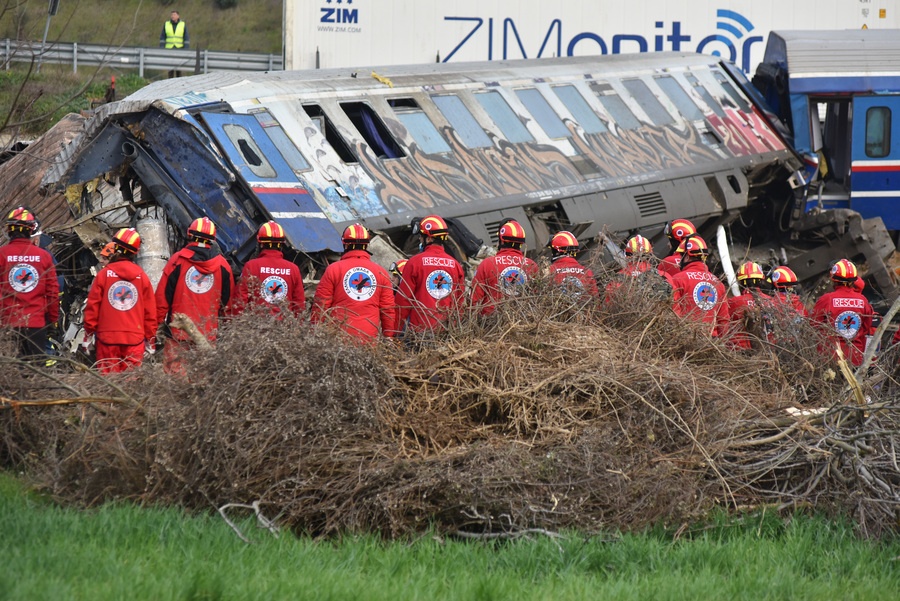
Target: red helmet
{"points": [[695, 246], [783, 278], [270, 233], [397, 267], [202, 230], [433, 227], [511, 232], [21, 219], [679, 229], [750, 273], [638, 245], [356, 235], [844, 272], [127, 240], [563, 243]]}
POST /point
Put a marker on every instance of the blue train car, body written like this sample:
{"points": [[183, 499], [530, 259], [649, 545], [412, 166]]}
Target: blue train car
{"points": [[839, 94]]}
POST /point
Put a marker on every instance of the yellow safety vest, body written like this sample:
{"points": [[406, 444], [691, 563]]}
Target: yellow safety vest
{"points": [[175, 35]]}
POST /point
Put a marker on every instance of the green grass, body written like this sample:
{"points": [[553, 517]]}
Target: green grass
{"points": [[252, 26], [125, 552], [55, 91]]}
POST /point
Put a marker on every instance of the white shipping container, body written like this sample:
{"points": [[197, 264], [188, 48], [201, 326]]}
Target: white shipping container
{"points": [[357, 33]]}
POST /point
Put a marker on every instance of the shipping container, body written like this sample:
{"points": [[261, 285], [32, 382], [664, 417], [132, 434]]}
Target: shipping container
{"points": [[357, 33]]}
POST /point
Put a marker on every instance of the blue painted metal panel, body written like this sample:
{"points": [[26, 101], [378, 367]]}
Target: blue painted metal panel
{"points": [[281, 194], [832, 85], [875, 172]]}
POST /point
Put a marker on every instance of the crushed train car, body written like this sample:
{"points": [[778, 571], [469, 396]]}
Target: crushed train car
{"points": [[629, 142]]}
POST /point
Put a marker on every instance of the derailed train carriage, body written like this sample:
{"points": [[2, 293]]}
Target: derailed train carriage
{"points": [[624, 142]]}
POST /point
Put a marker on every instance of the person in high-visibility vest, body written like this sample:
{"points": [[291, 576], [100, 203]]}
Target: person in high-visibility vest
{"points": [[174, 33]]}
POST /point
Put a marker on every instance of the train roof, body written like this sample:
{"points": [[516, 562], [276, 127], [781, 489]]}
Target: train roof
{"points": [[184, 93], [854, 60]]}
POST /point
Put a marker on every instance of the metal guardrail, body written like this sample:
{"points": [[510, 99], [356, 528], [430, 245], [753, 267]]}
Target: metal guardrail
{"points": [[128, 57]]}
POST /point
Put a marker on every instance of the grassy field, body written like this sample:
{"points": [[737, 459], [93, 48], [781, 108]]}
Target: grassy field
{"points": [[252, 26], [125, 552]]}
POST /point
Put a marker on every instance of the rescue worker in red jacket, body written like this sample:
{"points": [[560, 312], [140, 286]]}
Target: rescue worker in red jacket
{"points": [[749, 308], [697, 293], [197, 282], [785, 283], [356, 292], [787, 311], [845, 314], [121, 308], [638, 251], [29, 288], [566, 271], [505, 274], [433, 282], [676, 231], [396, 271], [270, 280]]}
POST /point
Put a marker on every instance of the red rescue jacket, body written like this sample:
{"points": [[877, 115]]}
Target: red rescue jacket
{"points": [[121, 307], [275, 282], [701, 295], [670, 265], [504, 274], [846, 317], [29, 290], [572, 276], [433, 284], [356, 293], [197, 281], [738, 309]]}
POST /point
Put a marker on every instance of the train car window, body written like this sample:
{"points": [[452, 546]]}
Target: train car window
{"points": [[281, 141], [506, 119], [580, 109], [373, 130], [423, 132], [705, 95], [878, 132], [465, 125], [618, 110], [254, 157], [729, 89], [327, 129], [687, 107], [649, 102], [543, 113], [419, 125]]}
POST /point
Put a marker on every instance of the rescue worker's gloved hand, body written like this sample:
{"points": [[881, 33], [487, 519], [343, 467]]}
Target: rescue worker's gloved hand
{"points": [[149, 349], [162, 334]]}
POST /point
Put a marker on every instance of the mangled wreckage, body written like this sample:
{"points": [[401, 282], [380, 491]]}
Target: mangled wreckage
{"points": [[624, 143]]}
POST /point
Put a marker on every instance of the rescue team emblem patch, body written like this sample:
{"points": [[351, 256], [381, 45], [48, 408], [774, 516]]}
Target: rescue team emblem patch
{"points": [[512, 279], [198, 283], [273, 289], [705, 296], [122, 296], [572, 286], [359, 283], [847, 324], [439, 284], [23, 277]]}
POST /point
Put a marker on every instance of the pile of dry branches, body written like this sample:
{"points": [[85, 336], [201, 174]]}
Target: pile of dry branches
{"points": [[546, 414]]}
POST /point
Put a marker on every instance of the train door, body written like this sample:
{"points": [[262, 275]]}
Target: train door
{"points": [[830, 125], [268, 175], [875, 177]]}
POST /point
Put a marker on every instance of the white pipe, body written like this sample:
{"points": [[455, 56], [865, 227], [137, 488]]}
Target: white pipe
{"points": [[725, 257]]}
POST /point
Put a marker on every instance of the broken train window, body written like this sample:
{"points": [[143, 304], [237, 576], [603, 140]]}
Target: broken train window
{"points": [[373, 130], [326, 128]]}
